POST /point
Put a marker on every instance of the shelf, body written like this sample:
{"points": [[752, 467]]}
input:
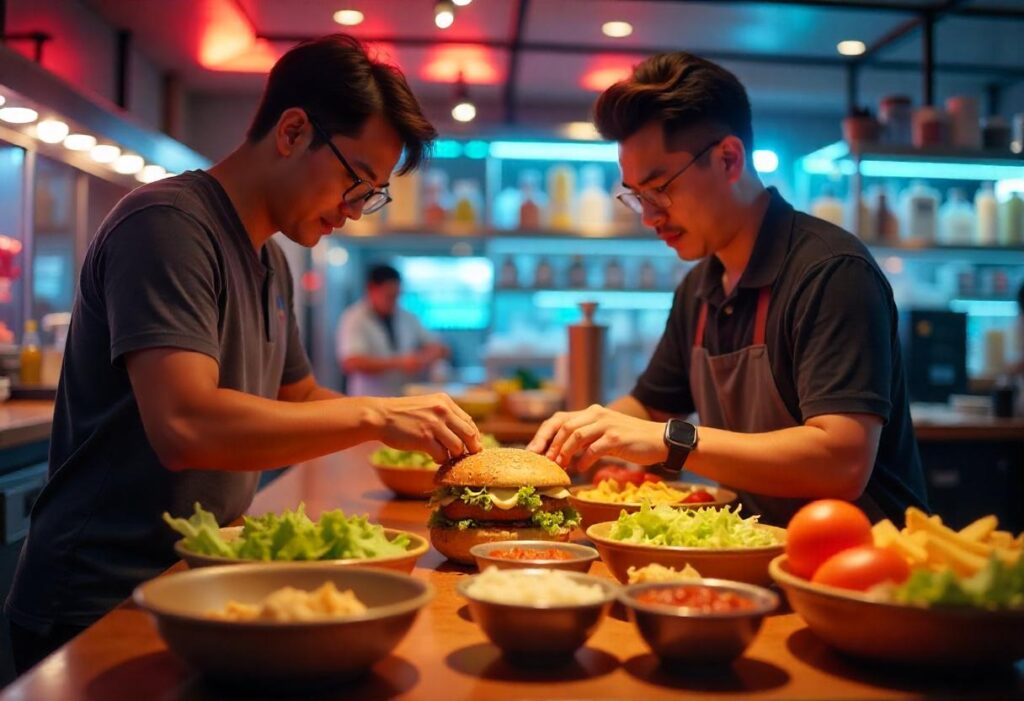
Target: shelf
{"points": [[882, 161], [579, 290], [456, 232]]}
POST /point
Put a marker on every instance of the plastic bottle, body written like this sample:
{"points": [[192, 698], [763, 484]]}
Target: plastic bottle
{"points": [[405, 209], [31, 355], [885, 226], [987, 211], [1011, 221], [595, 204], [468, 204], [956, 220], [614, 275], [543, 275], [561, 198], [435, 199], [508, 275], [577, 272], [648, 276], [920, 213], [505, 212], [532, 201], [828, 207]]}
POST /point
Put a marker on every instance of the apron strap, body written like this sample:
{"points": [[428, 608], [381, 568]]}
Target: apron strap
{"points": [[764, 297]]}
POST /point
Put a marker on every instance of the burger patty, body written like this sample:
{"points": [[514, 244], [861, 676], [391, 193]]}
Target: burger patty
{"points": [[459, 510]]}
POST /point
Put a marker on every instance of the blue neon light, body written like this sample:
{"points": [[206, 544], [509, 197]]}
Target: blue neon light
{"points": [[555, 151]]}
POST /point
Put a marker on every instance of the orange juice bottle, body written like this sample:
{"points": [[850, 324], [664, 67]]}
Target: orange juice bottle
{"points": [[31, 355]]}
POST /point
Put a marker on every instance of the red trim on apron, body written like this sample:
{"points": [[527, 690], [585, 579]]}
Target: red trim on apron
{"points": [[764, 298]]}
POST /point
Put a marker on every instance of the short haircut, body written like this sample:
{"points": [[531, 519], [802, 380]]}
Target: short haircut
{"points": [[381, 273], [336, 82], [679, 90]]}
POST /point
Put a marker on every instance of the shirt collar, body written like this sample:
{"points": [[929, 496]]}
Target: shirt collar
{"points": [[770, 249]]}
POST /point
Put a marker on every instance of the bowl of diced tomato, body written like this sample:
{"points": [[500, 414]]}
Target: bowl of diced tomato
{"points": [[923, 595], [530, 554], [616, 489]]}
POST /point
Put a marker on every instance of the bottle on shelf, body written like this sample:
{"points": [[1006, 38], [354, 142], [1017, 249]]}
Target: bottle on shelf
{"points": [[648, 276], [468, 203], [995, 133], [987, 211], [577, 272], [956, 220], [595, 205], [505, 210], [828, 207], [858, 218], [405, 208], [435, 199], [543, 274], [31, 367], [561, 198], [532, 201], [1011, 221], [920, 205], [885, 226], [964, 124], [895, 112], [508, 275], [614, 275]]}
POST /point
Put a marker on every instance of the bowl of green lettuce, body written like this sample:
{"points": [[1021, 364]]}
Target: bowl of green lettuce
{"points": [[410, 473], [718, 543], [293, 537]]}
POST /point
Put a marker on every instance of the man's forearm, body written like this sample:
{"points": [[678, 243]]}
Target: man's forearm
{"points": [[368, 364]]}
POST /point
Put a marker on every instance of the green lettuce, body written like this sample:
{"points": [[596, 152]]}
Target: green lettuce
{"points": [[475, 497], [289, 536], [528, 498], [554, 522], [415, 459], [999, 585], [705, 527]]}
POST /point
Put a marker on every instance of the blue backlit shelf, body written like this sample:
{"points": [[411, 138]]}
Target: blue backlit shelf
{"points": [[882, 161]]}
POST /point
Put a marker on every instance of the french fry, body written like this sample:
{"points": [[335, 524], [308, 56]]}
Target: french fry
{"points": [[980, 530], [963, 563], [917, 520], [999, 539], [887, 536]]}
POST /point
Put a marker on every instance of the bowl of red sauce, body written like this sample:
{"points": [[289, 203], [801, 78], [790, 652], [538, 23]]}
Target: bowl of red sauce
{"points": [[711, 621], [527, 554]]}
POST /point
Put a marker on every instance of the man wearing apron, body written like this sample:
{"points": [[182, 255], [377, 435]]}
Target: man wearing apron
{"points": [[783, 338]]}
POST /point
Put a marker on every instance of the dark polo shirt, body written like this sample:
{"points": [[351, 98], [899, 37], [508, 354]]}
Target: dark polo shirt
{"points": [[832, 339], [171, 266]]}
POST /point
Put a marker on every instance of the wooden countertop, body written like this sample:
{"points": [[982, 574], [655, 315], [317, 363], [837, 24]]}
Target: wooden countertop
{"points": [[445, 655], [25, 421]]}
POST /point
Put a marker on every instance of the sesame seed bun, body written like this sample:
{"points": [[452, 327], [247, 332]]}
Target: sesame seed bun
{"points": [[502, 467]]}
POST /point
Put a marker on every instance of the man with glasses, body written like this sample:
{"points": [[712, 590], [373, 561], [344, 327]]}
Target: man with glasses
{"points": [[184, 375], [782, 339]]}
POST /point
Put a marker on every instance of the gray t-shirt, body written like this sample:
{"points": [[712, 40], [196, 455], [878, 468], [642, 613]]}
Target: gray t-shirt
{"points": [[171, 266]]}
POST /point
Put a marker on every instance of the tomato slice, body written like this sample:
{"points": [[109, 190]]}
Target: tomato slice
{"points": [[699, 496]]}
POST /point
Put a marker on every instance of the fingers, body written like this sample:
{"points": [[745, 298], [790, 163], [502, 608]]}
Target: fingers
{"points": [[546, 432], [445, 445], [575, 442], [592, 454], [461, 424], [572, 422]]}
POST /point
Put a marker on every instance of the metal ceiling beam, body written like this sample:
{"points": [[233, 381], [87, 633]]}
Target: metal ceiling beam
{"points": [[516, 43]]}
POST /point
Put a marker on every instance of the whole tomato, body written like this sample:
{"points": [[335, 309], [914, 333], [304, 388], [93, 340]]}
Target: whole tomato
{"points": [[820, 530], [699, 496], [610, 473], [861, 568], [651, 477]]}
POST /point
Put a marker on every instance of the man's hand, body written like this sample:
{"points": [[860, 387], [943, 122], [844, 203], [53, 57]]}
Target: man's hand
{"points": [[432, 423], [597, 432], [410, 363]]}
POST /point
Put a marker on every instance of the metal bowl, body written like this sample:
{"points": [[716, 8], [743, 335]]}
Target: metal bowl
{"points": [[538, 632], [418, 545], [592, 511], [261, 652], [689, 636], [410, 482], [864, 627], [748, 565], [582, 556]]}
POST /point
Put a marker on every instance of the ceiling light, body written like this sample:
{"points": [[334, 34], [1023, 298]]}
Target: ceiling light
{"points": [[349, 18], [851, 47], [151, 173], [51, 131], [464, 109], [18, 115], [765, 160], [461, 3], [581, 131], [79, 142], [129, 164], [2, 100], [105, 153], [617, 29], [444, 14]]}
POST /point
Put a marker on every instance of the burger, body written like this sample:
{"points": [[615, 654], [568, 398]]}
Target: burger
{"points": [[499, 494]]}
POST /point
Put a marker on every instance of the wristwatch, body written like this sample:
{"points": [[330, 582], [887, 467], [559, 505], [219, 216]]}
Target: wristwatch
{"points": [[681, 439]]}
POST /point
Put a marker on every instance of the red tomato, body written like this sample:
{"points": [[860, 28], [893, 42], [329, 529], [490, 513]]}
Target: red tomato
{"points": [[608, 473], [861, 568], [699, 496], [651, 477], [623, 475], [821, 529]]}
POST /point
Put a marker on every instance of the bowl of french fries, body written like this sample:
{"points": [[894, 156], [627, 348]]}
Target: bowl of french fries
{"points": [[963, 604]]}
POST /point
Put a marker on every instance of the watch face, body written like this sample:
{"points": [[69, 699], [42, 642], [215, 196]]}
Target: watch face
{"points": [[682, 433]]}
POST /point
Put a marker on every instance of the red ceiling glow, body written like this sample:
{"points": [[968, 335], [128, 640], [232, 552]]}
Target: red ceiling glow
{"points": [[477, 64], [225, 35], [258, 58], [602, 71]]}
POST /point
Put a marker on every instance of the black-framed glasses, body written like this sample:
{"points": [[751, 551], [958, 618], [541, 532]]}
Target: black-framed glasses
{"points": [[361, 194], [657, 196]]}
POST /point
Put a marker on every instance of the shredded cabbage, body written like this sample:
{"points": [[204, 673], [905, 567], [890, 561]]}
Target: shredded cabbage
{"points": [[705, 527]]}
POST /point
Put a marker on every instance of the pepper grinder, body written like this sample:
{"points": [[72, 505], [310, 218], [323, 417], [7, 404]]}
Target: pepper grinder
{"points": [[586, 360]]}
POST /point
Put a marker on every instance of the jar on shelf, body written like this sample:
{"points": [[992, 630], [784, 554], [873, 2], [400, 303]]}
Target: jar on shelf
{"points": [[895, 112], [920, 205], [930, 127], [956, 220], [995, 133], [508, 274], [648, 276], [577, 272], [964, 126]]}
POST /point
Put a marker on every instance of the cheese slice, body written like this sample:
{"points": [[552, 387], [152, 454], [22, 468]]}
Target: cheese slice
{"points": [[505, 497]]}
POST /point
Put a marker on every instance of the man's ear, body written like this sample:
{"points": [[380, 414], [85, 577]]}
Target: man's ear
{"points": [[734, 157], [290, 133]]}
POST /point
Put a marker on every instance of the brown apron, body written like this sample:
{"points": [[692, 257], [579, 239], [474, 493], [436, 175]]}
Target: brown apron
{"points": [[737, 392]]}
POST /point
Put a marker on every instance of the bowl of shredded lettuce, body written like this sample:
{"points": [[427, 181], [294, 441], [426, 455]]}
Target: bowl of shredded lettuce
{"points": [[410, 473], [718, 543], [293, 537]]}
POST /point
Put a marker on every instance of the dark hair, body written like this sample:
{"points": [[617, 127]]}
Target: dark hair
{"points": [[336, 82], [1020, 298], [681, 91], [381, 273]]}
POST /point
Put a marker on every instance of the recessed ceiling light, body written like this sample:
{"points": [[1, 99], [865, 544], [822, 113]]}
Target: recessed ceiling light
{"points": [[444, 14], [349, 18], [851, 47], [461, 3], [617, 29], [79, 142], [51, 131], [18, 115], [105, 153], [151, 173], [129, 164], [2, 100], [464, 112]]}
